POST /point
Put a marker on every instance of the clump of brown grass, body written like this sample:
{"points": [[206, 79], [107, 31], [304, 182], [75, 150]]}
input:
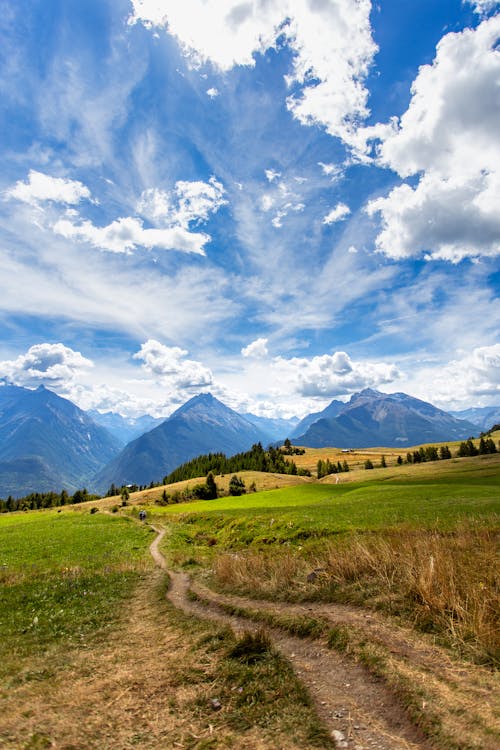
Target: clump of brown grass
{"points": [[258, 573], [446, 583]]}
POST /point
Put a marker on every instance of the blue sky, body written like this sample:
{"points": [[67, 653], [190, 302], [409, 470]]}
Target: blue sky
{"points": [[280, 202]]}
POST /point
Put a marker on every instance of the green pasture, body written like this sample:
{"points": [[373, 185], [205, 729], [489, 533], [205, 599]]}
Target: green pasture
{"points": [[308, 511], [63, 576]]}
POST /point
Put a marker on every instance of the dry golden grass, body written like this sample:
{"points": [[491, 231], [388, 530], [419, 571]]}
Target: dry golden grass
{"points": [[444, 583], [263, 481]]}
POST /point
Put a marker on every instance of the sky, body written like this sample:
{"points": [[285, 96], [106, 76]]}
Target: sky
{"points": [[281, 202]]}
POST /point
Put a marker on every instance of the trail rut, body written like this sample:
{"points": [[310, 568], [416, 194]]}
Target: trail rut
{"points": [[360, 711]]}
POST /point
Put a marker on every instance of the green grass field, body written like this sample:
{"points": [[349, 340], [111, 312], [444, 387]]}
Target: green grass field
{"points": [[419, 541], [468, 490], [63, 578]]}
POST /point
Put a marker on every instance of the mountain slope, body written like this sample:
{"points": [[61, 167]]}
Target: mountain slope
{"points": [[202, 425], [47, 443], [124, 429], [331, 411], [374, 419], [274, 429]]}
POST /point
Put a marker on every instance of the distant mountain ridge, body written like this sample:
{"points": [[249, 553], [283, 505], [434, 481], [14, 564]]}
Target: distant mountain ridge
{"points": [[47, 443], [202, 425], [483, 417], [372, 419], [332, 410], [124, 429], [274, 429]]}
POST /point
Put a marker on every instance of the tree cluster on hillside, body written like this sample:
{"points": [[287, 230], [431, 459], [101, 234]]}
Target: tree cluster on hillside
{"points": [[291, 450], [429, 453], [37, 500], [204, 491], [324, 468], [486, 445], [256, 459]]}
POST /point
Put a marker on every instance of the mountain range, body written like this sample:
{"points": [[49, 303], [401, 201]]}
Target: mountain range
{"points": [[47, 443], [483, 417], [373, 419]]}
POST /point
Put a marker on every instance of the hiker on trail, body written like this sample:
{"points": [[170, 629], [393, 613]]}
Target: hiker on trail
{"points": [[142, 515]]}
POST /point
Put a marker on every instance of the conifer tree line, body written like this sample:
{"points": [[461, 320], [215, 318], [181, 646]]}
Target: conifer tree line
{"points": [[271, 460], [37, 500]]}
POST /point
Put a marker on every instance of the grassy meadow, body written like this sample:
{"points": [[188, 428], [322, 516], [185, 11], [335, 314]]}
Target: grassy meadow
{"points": [[64, 576], [79, 599], [93, 656], [419, 541]]}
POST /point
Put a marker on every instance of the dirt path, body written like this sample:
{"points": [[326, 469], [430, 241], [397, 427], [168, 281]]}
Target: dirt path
{"points": [[360, 711]]}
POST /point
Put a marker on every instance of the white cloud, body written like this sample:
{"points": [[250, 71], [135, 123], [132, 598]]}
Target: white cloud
{"points": [[169, 364], [50, 364], [483, 6], [331, 375], [213, 92], [197, 200], [471, 379], [331, 170], [330, 39], [272, 174], [257, 349], [43, 187], [340, 212], [126, 234], [189, 202], [449, 137]]}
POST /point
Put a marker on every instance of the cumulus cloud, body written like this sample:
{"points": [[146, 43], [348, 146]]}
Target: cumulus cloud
{"points": [[449, 138], [330, 40], [169, 365], [127, 234], [41, 187], [331, 375], [51, 364], [473, 378], [212, 92], [173, 213], [340, 212], [257, 349]]}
